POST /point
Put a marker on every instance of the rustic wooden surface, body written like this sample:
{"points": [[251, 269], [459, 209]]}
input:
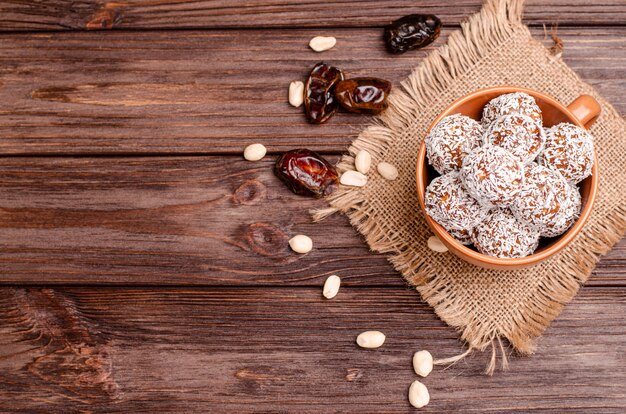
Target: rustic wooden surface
{"points": [[211, 92], [227, 14], [286, 350], [162, 220], [144, 264]]}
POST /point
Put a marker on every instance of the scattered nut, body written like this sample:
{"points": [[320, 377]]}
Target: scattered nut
{"points": [[418, 395], [331, 286], [422, 363], [436, 245], [296, 93], [353, 178], [362, 161], [301, 243], [254, 152], [388, 171], [322, 43], [370, 339]]}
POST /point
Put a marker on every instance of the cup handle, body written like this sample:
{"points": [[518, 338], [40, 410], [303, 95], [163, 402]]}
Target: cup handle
{"points": [[586, 109]]}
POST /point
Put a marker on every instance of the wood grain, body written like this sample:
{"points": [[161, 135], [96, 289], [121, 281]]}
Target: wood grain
{"points": [[287, 350], [135, 204], [211, 92], [179, 220], [212, 14]]}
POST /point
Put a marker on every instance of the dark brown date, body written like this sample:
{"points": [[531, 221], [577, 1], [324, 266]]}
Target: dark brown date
{"points": [[411, 32], [363, 95], [305, 172], [319, 97]]}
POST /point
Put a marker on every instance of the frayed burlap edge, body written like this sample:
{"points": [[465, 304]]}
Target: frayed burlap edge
{"points": [[498, 21]]}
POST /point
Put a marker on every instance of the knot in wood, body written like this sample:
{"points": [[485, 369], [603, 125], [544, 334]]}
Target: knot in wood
{"points": [[267, 240], [249, 193]]}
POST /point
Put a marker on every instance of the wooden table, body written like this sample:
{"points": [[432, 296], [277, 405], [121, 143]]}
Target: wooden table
{"points": [[145, 265]]}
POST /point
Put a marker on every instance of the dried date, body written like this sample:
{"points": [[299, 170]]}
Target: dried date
{"points": [[319, 97], [363, 95], [306, 173], [411, 32]]}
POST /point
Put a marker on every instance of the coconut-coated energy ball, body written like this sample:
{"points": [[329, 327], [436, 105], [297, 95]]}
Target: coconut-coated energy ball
{"points": [[462, 236], [511, 103], [568, 150], [492, 175], [501, 234], [543, 199], [451, 140], [567, 216], [519, 134], [452, 207]]}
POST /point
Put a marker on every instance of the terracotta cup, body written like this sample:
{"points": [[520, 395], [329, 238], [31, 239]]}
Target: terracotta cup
{"points": [[583, 111]]}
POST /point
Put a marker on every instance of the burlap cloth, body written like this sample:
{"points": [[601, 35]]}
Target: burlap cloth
{"points": [[492, 48]]}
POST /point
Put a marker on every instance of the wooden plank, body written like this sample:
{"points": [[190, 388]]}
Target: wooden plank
{"points": [[210, 92], [159, 14], [287, 350], [179, 220]]}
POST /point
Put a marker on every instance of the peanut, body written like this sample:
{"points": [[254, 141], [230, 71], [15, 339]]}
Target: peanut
{"points": [[362, 161], [388, 171], [422, 363], [370, 339], [301, 243], [353, 178], [296, 93], [322, 43], [418, 395], [436, 245], [331, 286], [254, 152]]}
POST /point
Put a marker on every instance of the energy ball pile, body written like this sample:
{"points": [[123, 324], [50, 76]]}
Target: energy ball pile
{"points": [[451, 140], [506, 181], [450, 204]]}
